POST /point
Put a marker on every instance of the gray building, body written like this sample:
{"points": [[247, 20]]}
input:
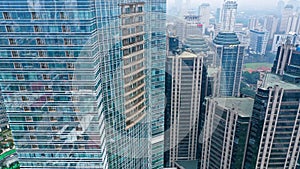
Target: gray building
{"points": [[184, 98], [258, 42], [227, 121], [275, 133]]}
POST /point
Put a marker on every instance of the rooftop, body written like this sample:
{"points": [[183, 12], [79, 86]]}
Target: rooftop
{"points": [[227, 38], [187, 55], [272, 80], [191, 164], [243, 106]]}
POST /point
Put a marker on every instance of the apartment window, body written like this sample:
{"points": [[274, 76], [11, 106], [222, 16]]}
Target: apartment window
{"points": [[74, 88], [51, 109], [58, 146], [56, 138], [48, 88], [37, 29], [14, 54], [24, 98], [33, 15], [79, 138], [30, 128], [22, 88], [12, 41], [32, 137], [35, 146], [67, 41], [6, 15], [140, 9], [46, 77], [54, 128], [62, 15], [50, 99], [69, 54], [27, 118], [65, 29], [70, 66], [75, 109], [9, 28], [76, 119], [71, 77], [20, 77], [17, 65], [41, 54], [40, 41], [44, 65], [78, 128]]}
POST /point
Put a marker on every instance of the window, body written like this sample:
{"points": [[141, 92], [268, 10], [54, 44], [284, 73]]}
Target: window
{"points": [[40, 41], [33, 15], [44, 65], [48, 88], [22, 88], [9, 28], [70, 66], [17, 65], [6, 15], [46, 77], [37, 29], [20, 77], [27, 118], [14, 54], [51, 109], [69, 54], [41, 54], [50, 99], [67, 41], [24, 98], [12, 41]]}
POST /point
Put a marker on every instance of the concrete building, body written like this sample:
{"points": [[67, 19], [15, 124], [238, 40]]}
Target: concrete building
{"points": [[287, 12], [204, 14], [258, 42], [184, 97], [270, 24], [293, 25], [275, 133], [253, 23], [227, 121], [228, 15]]}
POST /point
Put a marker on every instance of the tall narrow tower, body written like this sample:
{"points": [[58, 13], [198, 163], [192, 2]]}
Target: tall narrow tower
{"points": [[228, 15]]}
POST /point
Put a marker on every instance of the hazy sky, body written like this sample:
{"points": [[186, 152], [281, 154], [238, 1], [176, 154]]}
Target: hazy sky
{"points": [[243, 4]]}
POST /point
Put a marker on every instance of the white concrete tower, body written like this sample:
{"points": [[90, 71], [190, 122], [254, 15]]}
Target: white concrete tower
{"points": [[228, 16]]}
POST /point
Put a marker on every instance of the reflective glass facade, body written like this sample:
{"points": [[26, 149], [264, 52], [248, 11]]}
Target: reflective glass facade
{"points": [[63, 76]]}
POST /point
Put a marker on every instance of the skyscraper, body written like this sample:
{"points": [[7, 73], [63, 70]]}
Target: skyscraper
{"points": [[230, 57], [228, 15], [293, 24], [271, 24], [287, 12], [258, 42], [184, 98], [204, 14], [253, 23], [225, 132], [75, 80], [274, 134]]}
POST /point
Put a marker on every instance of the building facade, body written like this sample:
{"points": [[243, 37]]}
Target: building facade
{"points": [[230, 57], [75, 79], [184, 98], [270, 24], [258, 42], [227, 121], [274, 134], [228, 15]]}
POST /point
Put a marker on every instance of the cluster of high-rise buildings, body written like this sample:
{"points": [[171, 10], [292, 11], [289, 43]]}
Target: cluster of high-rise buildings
{"points": [[108, 84]]}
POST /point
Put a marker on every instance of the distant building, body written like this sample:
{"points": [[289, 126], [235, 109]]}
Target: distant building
{"points": [[218, 15], [226, 132], [293, 25], [287, 12], [258, 42], [185, 94], [253, 23], [204, 14], [270, 24], [230, 57], [228, 15]]}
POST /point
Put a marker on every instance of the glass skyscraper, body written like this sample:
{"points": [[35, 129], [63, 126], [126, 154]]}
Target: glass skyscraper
{"points": [[82, 82]]}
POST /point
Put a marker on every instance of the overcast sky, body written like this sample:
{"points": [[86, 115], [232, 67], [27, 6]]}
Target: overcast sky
{"points": [[243, 4]]}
